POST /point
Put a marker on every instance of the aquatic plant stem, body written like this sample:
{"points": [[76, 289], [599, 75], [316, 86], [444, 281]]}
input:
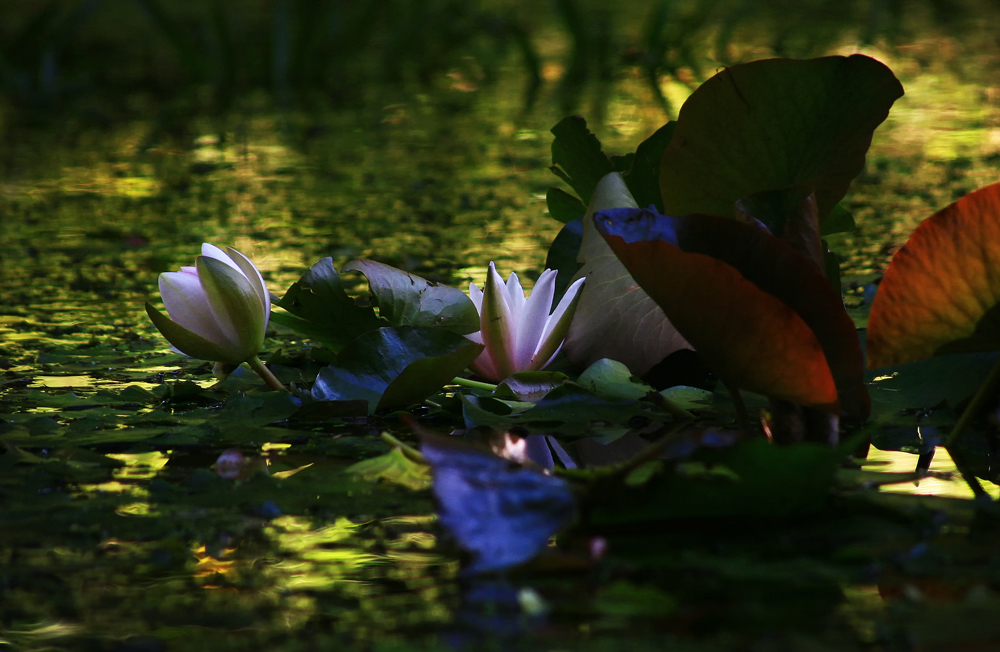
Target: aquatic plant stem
{"points": [[675, 410], [408, 451], [741, 409], [987, 389], [266, 374], [472, 384]]}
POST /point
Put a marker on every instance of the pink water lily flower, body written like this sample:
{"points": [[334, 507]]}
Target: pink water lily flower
{"points": [[519, 333], [219, 308]]}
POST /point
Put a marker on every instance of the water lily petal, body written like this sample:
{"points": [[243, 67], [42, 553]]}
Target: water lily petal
{"points": [[496, 325], [515, 299], [235, 304], [557, 326], [477, 297], [187, 341], [256, 280], [187, 304], [536, 312], [216, 253], [483, 366]]}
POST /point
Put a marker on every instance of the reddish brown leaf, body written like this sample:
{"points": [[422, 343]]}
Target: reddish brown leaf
{"points": [[761, 314], [942, 289]]}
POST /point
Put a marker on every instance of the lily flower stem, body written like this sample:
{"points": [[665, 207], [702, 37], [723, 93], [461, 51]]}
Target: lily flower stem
{"points": [[987, 389], [597, 479], [266, 374], [675, 410], [409, 451], [472, 384]]}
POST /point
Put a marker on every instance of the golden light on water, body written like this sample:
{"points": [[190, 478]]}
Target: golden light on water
{"points": [[62, 381], [943, 478]]}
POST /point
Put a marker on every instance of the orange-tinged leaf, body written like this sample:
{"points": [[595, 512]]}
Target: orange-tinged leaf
{"points": [[760, 314], [942, 289]]}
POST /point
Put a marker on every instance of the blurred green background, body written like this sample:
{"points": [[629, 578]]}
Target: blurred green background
{"points": [[415, 131], [411, 131]]}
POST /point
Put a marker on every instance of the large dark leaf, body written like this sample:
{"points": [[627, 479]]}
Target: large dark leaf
{"points": [[562, 255], [406, 299], [563, 206], [775, 123], [319, 308], [643, 178], [760, 314], [941, 293], [395, 366], [577, 158]]}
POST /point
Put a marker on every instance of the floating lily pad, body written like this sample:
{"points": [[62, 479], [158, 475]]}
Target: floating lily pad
{"points": [[318, 307], [611, 380], [395, 467], [529, 385], [405, 299], [395, 366]]}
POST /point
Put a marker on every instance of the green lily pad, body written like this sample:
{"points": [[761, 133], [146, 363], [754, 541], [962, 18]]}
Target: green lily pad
{"points": [[395, 467], [612, 381], [689, 398], [395, 366], [318, 307], [405, 299], [529, 385]]}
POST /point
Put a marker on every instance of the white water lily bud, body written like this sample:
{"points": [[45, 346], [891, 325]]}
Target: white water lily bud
{"points": [[218, 310], [519, 333]]}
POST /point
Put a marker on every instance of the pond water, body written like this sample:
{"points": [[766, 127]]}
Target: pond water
{"points": [[115, 532]]}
